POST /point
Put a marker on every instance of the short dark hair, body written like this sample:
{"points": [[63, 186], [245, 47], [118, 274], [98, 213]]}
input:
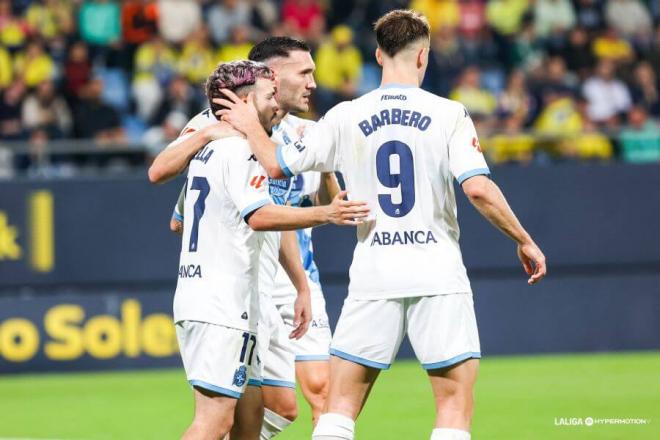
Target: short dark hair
{"points": [[235, 76], [399, 28], [273, 47]]}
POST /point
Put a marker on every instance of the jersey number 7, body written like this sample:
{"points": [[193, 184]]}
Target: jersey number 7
{"points": [[202, 185], [405, 178]]}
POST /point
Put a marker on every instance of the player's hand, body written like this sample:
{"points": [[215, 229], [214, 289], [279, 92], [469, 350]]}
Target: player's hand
{"points": [[302, 315], [533, 261], [242, 115], [176, 226], [217, 130], [346, 212]]}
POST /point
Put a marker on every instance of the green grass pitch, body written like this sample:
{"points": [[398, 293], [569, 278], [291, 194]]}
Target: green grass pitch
{"points": [[516, 398]]}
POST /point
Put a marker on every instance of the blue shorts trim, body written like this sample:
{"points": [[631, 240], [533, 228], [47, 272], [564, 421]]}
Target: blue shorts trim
{"points": [[476, 172], [254, 383], [210, 387], [312, 357], [280, 161], [359, 360], [253, 207], [453, 361], [278, 383], [177, 216]]}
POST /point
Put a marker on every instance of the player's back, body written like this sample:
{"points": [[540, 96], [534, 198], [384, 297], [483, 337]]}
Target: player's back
{"points": [[399, 149], [219, 253]]}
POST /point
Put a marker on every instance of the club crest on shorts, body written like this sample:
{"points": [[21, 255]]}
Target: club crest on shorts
{"points": [[240, 376]]}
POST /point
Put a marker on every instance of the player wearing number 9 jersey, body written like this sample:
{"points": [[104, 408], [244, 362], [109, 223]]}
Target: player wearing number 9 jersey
{"points": [[400, 148]]}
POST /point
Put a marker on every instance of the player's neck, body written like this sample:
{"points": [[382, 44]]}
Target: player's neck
{"points": [[394, 74]]}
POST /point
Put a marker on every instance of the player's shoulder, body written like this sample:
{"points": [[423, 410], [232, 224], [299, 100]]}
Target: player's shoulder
{"points": [[199, 121], [297, 121]]}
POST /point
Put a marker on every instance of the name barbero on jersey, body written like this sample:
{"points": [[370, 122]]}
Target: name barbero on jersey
{"points": [[386, 238], [395, 116]]}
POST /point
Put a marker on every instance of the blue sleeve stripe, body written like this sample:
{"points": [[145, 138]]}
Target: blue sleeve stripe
{"points": [[254, 383], [359, 360], [177, 216], [476, 172], [453, 361], [254, 206], [312, 357], [278, 383], [216, 389], [280, 161]]}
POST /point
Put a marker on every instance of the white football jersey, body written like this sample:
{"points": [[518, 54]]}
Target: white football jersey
{"points": [[298, 191], [399, 148], [219, 262]]}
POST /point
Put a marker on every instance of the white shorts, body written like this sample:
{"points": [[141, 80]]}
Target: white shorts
{"points": [[217, 358], [315, 344], [442, 330], [276, 351]]}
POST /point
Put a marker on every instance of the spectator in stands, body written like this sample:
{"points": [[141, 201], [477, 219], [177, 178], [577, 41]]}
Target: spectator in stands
{"points": [[77, 70], [11, 99], [589, 145], [578, 53], [197, 58], [640, 139], [338, 68], [139, 22], [225, 15], [472, 18], [610, 46], [556, 79], [607, 96], [178, 18], [264, 17], [34, 65], [511, 145], [506, 16], [155, 64], [481, 103], [590, 14], [526, 52], [93, 119], [179, 106], [238, 47], [99, 23], [46, 112], [440, 13], [552, 19], [304, 19], [6, 68], [446, 61], [516, 101], [13, 29], [50, 18], [629, 17], [646, 90], [559, 116]]}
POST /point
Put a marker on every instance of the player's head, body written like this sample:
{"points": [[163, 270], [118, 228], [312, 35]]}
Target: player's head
{"points": [[292, 63], [243, 77], [403, 38]]}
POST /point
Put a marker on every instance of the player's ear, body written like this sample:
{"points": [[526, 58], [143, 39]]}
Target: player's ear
{"points": [[379, 56], [422, 57]]}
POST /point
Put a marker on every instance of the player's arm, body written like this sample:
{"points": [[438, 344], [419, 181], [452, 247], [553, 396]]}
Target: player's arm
{"points": [[486, 196], [176, 221], [174, 159], [316, 151], [467, 164], [292, 264], [328, 189], [340, 212]]}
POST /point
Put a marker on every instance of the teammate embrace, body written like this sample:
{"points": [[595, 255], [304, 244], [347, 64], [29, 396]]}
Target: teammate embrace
{"points": [[398, 148]]}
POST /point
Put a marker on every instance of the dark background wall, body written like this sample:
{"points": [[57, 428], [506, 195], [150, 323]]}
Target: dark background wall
{"points": [[596, 224]]}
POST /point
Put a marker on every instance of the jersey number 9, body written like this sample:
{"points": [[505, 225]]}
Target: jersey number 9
{"points": [[404, 178]]}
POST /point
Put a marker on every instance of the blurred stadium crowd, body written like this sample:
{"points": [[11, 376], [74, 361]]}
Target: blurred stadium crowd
{"points": [[545, 80]]}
